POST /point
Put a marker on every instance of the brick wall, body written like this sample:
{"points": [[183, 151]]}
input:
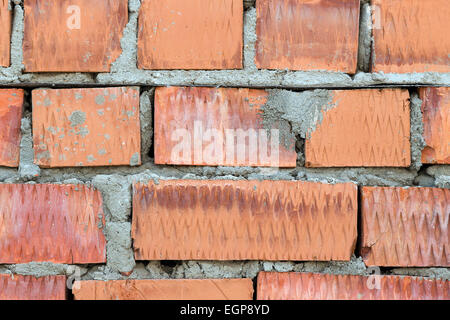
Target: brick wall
{"points": [[224, 149]]}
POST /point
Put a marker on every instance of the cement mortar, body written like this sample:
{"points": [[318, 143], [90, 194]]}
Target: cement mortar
{"points": [[365, 38], [300, 112], [27, 169], [303, 111], [119, 252], [417, 140]]}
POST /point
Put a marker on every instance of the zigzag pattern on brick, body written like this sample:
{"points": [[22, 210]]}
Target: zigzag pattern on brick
{"points": [[244, 220], [54, 223], [369, 128], [86, 127], [405, 227], [17, 287], [310, 286]]}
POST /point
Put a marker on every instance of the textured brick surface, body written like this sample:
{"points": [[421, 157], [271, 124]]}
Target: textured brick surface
{"points": [[86, 127], [307, 35], [190, 34], [309, 286], [244, 220], [405, 226], [16, 287], [73, 35], [11, 105], [220, 289], [436, 124], [192, 127], [54, 223], [369, 128], [5, 35], [409, 36]]}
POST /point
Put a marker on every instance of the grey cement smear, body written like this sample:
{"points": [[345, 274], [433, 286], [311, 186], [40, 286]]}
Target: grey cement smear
{"points": [[124, 70]]}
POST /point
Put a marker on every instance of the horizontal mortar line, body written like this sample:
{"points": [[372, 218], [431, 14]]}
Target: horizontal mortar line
{"points": [[56, 85]]}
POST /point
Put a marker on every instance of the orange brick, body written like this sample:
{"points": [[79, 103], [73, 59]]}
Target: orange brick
{"points": [[86, 127], [436, 123], [210, 289], [310, 286], [405, 227], [408, 36], [244, 220], [307, 35], [210, 126], [16, 287], [190, 34], [11, 106], [51, 223], [369, 128], [5, 35], [73, 35]]}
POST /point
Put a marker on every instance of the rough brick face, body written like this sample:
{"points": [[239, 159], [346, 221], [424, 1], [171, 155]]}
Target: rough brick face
{"points": [[244, 220], [190, 34], [309, 286], [11, 105], [51, 223], [210, 126], [214, 289], [17, 287], [408, 36], [405, 227], [436, 125], [73, 35], [368, 128], [307, 35], [5, 35], [86, 127]]}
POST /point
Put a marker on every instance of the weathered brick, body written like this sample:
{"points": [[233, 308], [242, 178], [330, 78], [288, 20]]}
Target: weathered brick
{"points": [[209, 289], [408, 36], [11, 106], [307, 35], [5, 35], [73, 35], [17, 287], [405, 227], [436, 124], [86, 127], [244, 220], [190, 34], [51, 223], [309, 286], [369, 128], [211, 126]]}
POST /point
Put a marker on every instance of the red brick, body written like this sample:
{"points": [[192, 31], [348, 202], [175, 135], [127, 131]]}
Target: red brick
{"points": [[406, 227], [16, 287], [409, 36], [436, 125], [51, 223], [11, 106], [307, 35], [369, 128], [179, 111], [190, 34], [86, 127], [5, 35], [55, 40], [309, 286], [210, 289], [244, 220]]}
